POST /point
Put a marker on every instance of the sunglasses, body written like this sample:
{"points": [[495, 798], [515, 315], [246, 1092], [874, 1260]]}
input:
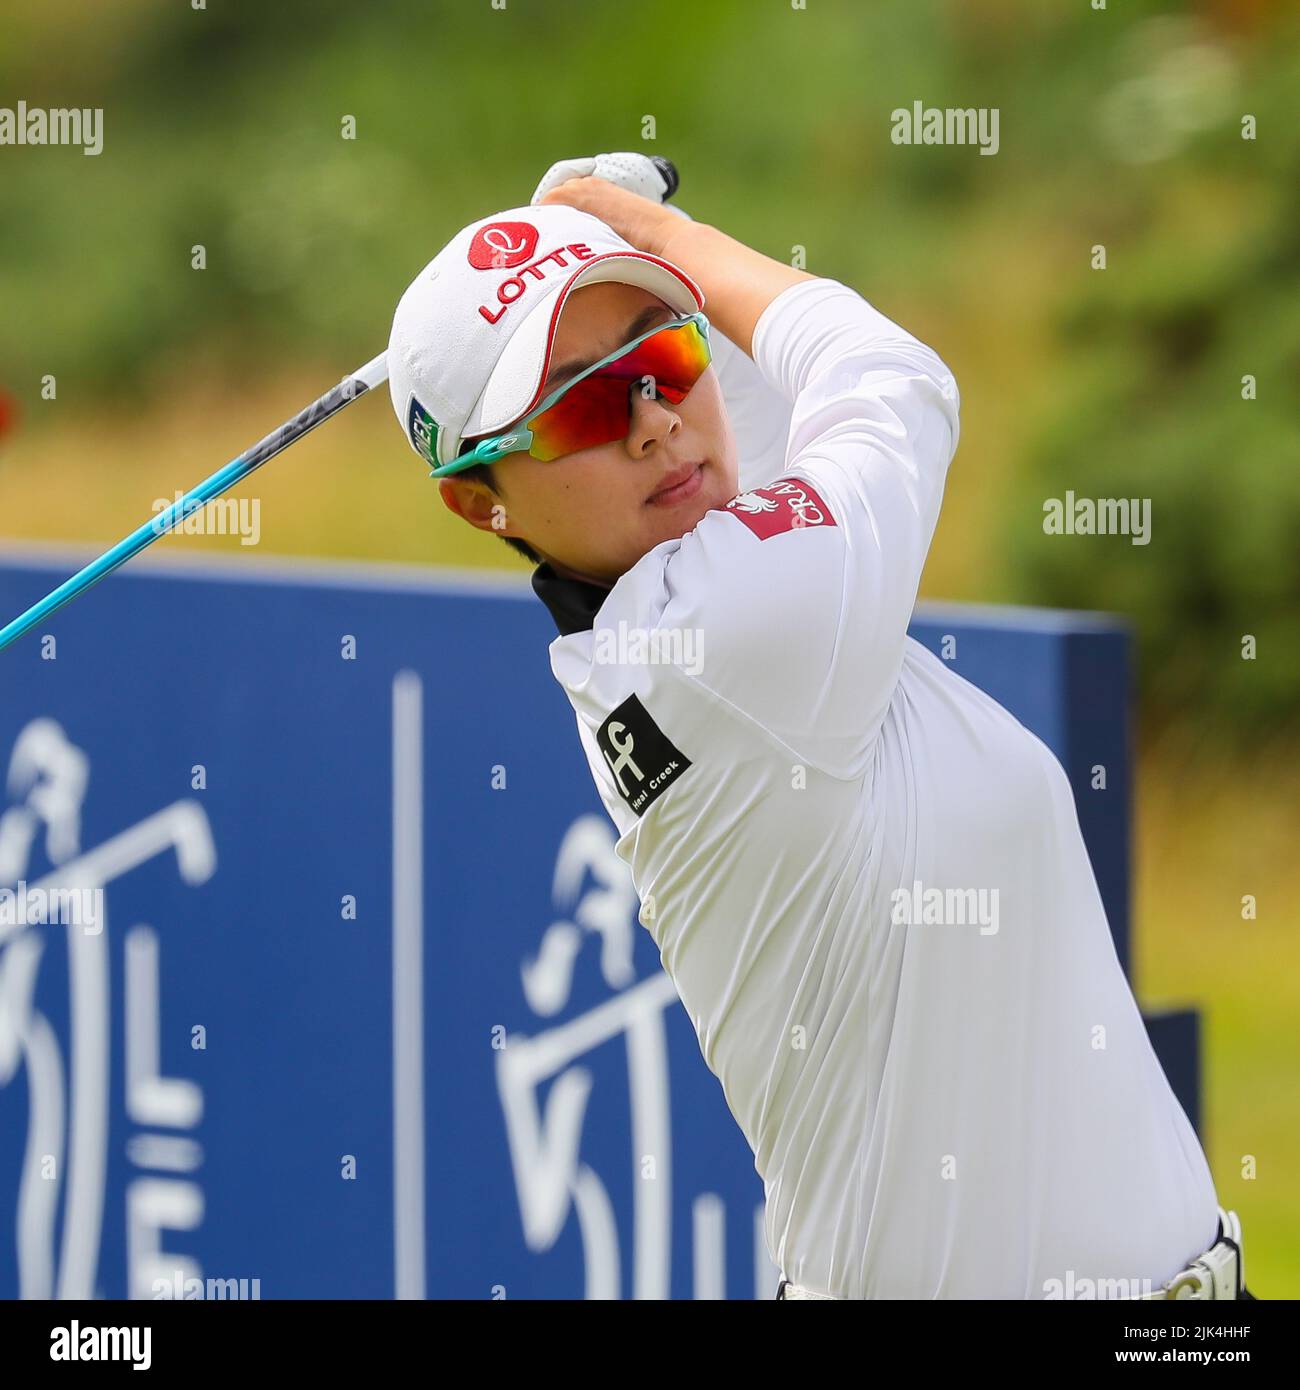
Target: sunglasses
{"points": [[596, 406]]}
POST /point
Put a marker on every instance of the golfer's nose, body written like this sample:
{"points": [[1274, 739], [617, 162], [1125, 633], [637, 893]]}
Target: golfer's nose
{"points": [[652, 423]]}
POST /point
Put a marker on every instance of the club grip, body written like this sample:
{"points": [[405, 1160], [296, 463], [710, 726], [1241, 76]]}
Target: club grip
{"points": [[669, 171]]}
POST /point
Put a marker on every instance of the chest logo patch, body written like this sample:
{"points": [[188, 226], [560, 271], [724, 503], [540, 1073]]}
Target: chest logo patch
{"points": [[789, 504], [640, 756]]}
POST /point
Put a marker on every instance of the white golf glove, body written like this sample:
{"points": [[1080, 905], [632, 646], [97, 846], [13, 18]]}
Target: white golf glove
{"points": [[648, 175]]}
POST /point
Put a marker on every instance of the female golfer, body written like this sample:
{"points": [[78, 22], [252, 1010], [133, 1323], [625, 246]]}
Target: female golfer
{"points": [[865, 878]]}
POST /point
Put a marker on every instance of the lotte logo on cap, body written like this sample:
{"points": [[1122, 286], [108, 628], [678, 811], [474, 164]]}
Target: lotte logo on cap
{"points": [[502, 245]]}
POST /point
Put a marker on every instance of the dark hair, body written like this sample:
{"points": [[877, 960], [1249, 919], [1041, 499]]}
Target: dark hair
{"points": [[482, 473]]}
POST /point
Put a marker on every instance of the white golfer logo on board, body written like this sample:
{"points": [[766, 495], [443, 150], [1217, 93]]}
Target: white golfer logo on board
{"points": [[555, 1094], [67, 1071]]}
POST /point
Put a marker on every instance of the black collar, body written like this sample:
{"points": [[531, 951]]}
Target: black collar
{"points": [[574, 603]]}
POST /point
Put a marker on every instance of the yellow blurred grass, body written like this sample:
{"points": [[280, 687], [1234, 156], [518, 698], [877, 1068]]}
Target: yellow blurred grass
{"points": [[352, 489], [1207, 834]]}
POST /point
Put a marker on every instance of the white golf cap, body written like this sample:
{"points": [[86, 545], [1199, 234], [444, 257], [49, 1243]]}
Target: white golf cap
{"points": [[473, 335]]}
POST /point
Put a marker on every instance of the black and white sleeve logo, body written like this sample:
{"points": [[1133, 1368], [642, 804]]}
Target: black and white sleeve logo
{"points": [[643, 760]]}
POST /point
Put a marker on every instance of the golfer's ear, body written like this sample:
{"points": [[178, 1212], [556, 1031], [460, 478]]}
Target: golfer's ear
{"points": [[477, 504]]}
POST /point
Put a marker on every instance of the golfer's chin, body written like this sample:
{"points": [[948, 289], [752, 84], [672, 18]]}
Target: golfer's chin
{"points": [[667, 520], [681, 510]]}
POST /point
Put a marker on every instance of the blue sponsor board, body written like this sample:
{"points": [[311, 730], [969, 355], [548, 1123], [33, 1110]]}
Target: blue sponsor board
{"points": [[357, 1004]]}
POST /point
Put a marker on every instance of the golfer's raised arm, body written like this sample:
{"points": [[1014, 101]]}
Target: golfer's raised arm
{"points": [[738, 282]]}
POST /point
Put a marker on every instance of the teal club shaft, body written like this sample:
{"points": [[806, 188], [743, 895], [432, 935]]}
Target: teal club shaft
{"points": [[329, 405]]}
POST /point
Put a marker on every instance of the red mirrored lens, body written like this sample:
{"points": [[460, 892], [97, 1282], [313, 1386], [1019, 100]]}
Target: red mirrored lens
{"points": [[597, 408]]}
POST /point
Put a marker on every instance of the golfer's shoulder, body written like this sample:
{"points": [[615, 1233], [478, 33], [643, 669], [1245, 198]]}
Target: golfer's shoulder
{"points": [[755, 584]]}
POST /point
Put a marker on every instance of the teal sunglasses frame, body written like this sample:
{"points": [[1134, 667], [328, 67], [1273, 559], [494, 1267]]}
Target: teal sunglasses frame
{"points": [[519, 437]]}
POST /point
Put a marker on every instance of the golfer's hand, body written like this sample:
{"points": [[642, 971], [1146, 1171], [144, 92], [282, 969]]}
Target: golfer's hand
{"points": [[639, 220], [649, 175]]}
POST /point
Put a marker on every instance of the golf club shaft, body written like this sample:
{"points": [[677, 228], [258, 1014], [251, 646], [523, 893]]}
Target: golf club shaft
{"points": [[329, 405]]}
